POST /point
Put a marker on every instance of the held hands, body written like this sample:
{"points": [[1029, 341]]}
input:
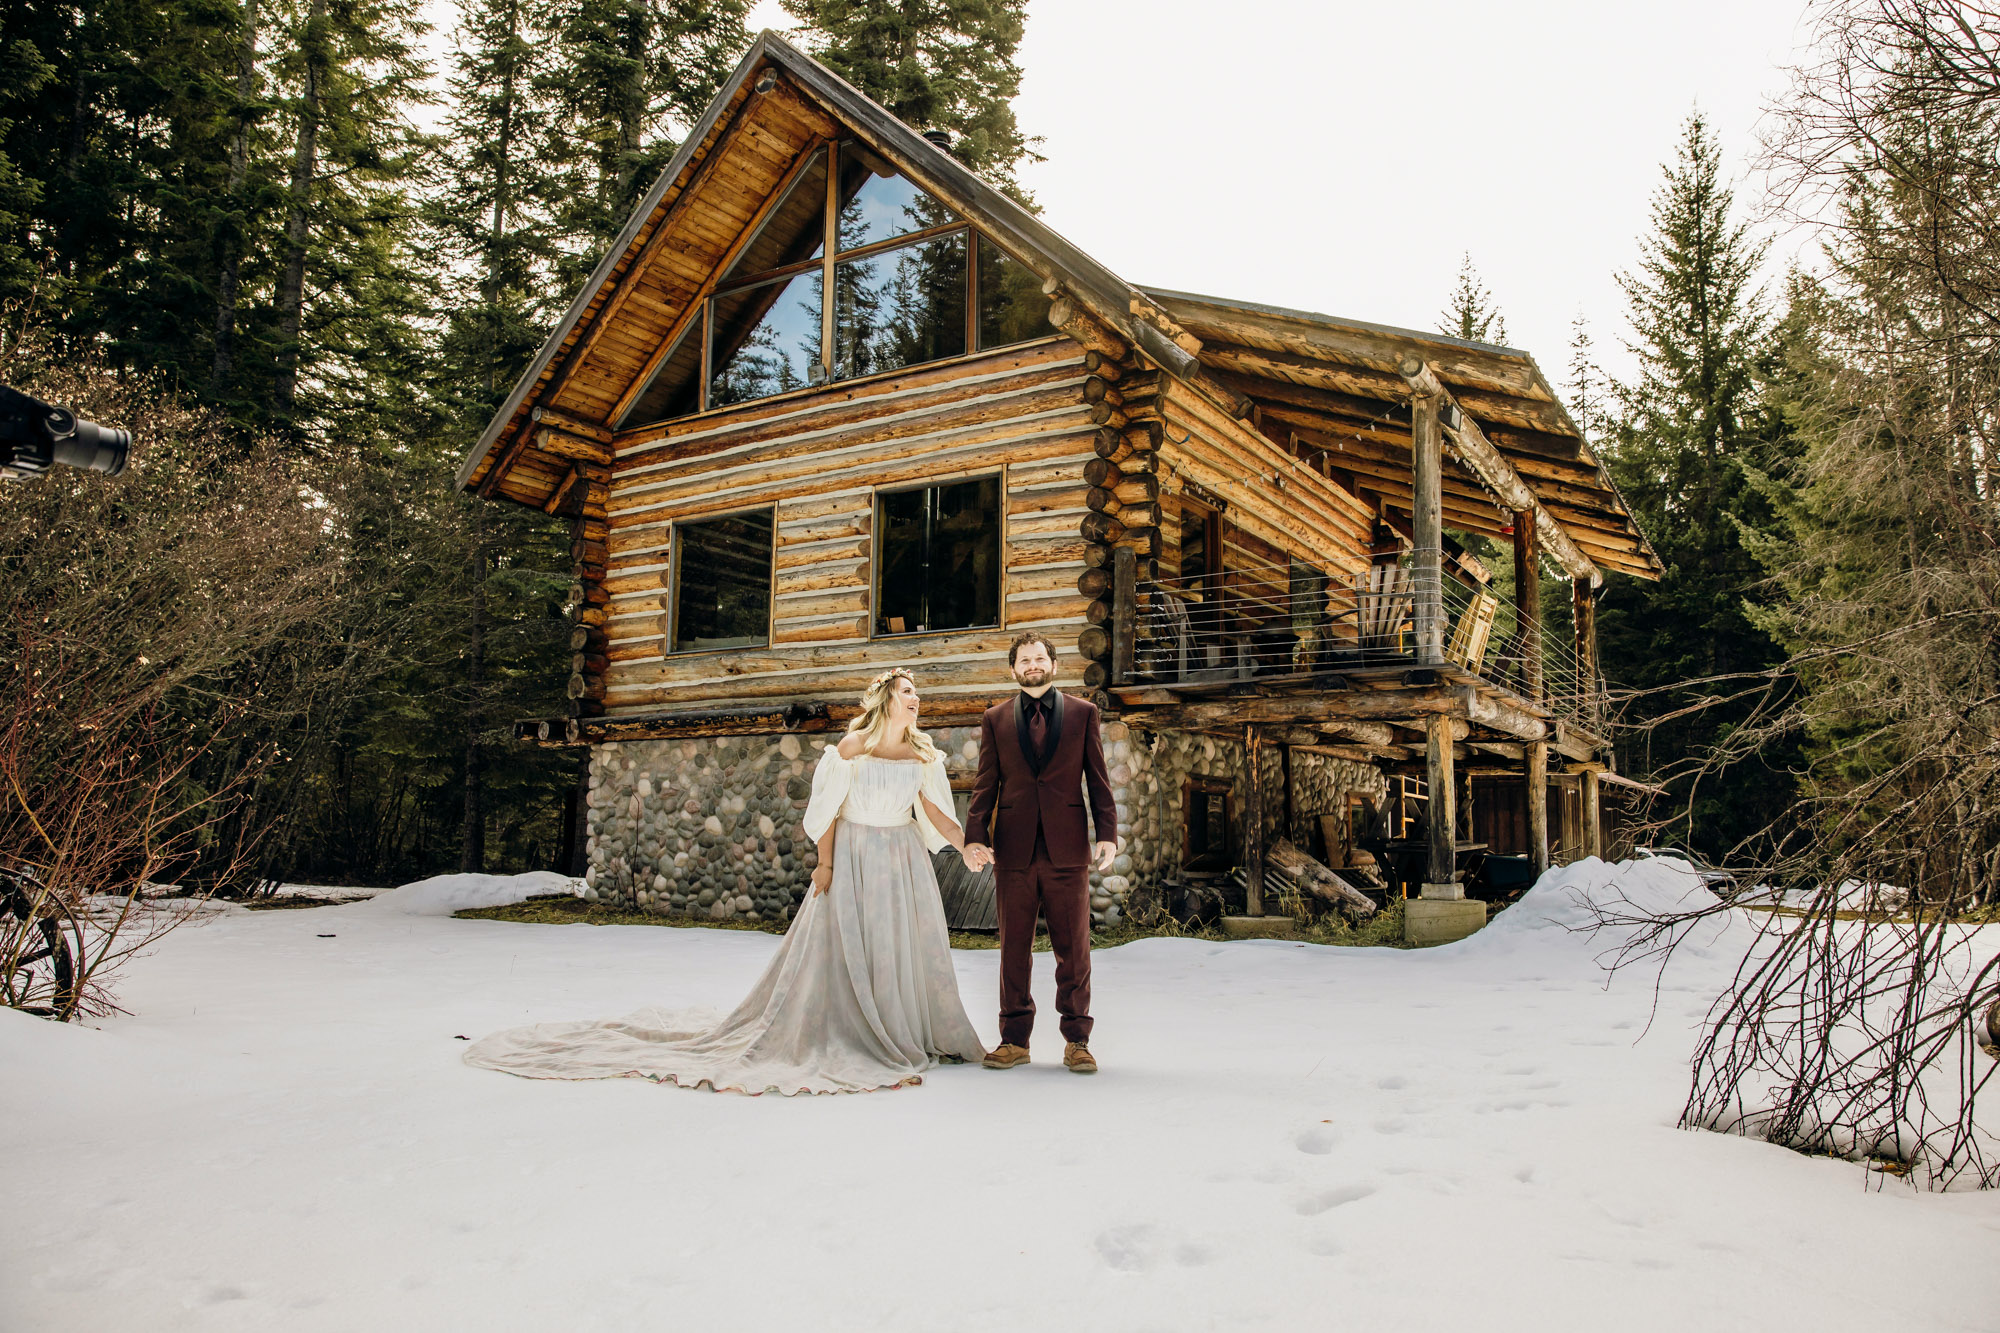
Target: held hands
{"points": [[979, 856]]}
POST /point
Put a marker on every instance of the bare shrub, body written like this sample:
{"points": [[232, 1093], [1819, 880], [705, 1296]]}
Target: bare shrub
{"points": [[145, 641]]}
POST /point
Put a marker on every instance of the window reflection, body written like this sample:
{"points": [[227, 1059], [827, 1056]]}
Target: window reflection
{"points": [[1012, 308], [766, 340], [877, 204], [903, 303], [898, 307]]}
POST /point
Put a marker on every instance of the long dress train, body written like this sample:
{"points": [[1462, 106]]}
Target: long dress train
{"points": [[860, 995]]}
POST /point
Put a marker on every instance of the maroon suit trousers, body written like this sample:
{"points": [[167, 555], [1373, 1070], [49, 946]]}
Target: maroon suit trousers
{"points": [[1062, 894]]}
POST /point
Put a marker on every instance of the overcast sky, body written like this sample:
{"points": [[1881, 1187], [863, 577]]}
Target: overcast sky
{"points": [[1344, 157]]}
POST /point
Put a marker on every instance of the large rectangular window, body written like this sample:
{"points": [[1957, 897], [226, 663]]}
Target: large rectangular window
{"points": [[940, 557], [722, 583]]}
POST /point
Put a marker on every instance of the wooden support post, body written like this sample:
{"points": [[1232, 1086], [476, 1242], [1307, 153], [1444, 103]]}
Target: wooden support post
{"points": [[1593, 830], [1253, 823], [1467, 830], [1427, 524], [1584, 607], [1290, 814], [1528, 602], [1538, 805], [1124, 613], [1441, 819]]}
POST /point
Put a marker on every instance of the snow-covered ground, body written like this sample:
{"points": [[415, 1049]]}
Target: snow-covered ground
{"points": [[1475, 1137]]}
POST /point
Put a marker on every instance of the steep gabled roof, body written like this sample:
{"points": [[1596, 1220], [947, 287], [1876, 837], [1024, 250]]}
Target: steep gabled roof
{"points": [[1258, 351]]}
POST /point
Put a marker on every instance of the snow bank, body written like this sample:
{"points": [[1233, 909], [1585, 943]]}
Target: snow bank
{"points": [[1577, 905], [1576, 896], [441, 895]]}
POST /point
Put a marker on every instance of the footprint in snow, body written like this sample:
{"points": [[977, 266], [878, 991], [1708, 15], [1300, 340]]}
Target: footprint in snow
{"points": [[1325, 1200], [1392, 1083], [1142, 1247], [1318, 1140]]}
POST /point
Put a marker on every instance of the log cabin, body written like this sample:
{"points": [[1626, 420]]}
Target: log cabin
{"points": [[832, 403]]}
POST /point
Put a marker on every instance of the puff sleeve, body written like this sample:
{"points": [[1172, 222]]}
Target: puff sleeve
{"points": [[830, 783], [933, 782]]}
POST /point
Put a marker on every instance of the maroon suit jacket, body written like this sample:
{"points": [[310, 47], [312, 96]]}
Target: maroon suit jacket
{"points": [[1016, 793]]}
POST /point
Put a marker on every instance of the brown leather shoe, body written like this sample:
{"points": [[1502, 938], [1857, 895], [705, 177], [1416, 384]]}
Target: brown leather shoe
{"points": [[1078, 1059], [1006, 1056]]}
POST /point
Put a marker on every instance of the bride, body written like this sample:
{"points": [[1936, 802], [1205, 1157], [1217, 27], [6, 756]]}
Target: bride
{"points": [[861, 993]]}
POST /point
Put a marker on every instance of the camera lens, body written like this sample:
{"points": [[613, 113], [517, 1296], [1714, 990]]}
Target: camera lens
{"points": [[98, 448]]}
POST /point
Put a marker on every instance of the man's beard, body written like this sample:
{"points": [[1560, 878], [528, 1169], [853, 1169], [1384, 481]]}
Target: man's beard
{"points": [[1032, 676]]}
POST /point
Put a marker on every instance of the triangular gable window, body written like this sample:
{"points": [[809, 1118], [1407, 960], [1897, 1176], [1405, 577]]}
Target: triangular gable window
{"points": [[911, 283]]}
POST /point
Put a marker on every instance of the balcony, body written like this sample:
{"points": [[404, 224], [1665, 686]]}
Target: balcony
{"points": [[1290, 630]]}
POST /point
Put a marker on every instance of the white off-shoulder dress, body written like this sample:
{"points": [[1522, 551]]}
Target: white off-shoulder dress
{"points": [[860, 995]]}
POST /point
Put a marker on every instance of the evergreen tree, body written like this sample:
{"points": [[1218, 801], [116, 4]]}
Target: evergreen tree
{"points": [[494, 213], [1470, 313], [1586, 388], [1688, 432], [628, 78], [934, 64]]}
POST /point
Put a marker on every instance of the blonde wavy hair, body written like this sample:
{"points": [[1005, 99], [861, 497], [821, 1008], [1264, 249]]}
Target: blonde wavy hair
{"points": [[873, 721]]}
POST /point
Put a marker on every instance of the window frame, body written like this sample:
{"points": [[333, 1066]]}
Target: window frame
{"points": [[828, 261], [876, 563], [672, 607]]}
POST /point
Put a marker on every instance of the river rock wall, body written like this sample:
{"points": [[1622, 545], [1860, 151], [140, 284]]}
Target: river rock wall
{"points": [[709, 828]]}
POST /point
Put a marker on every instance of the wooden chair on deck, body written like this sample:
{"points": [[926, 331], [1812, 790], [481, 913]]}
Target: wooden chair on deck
{"points": [[1383, 607], [1469, 636], [1172, 653]]}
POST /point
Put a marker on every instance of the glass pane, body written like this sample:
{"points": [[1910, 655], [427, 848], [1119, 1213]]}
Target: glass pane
{"points": [[675, 390], [899, 307], [1012, 308], [764, 340], [940, 558], [876, 204], [723, 584], [794, 232]]}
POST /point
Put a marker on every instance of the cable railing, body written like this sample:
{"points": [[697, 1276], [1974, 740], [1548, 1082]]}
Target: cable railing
{"points": [[1291, 619]]}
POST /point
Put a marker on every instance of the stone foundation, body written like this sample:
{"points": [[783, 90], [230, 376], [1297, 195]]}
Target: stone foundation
{"points": [[710, 828]]}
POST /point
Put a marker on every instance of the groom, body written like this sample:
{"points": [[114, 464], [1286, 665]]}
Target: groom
{"points": [[1036, 751]]}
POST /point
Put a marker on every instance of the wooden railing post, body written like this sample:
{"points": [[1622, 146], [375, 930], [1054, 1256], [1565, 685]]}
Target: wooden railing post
{"points": [[1124, 613], [1538, 805], [1253, 822], [1584, 608], [1427, 528], [1426, 508], [1528, 602]]}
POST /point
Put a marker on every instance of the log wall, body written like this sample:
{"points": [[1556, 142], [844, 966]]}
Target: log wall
{"points": [[819, 459], [1308, 515]]}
